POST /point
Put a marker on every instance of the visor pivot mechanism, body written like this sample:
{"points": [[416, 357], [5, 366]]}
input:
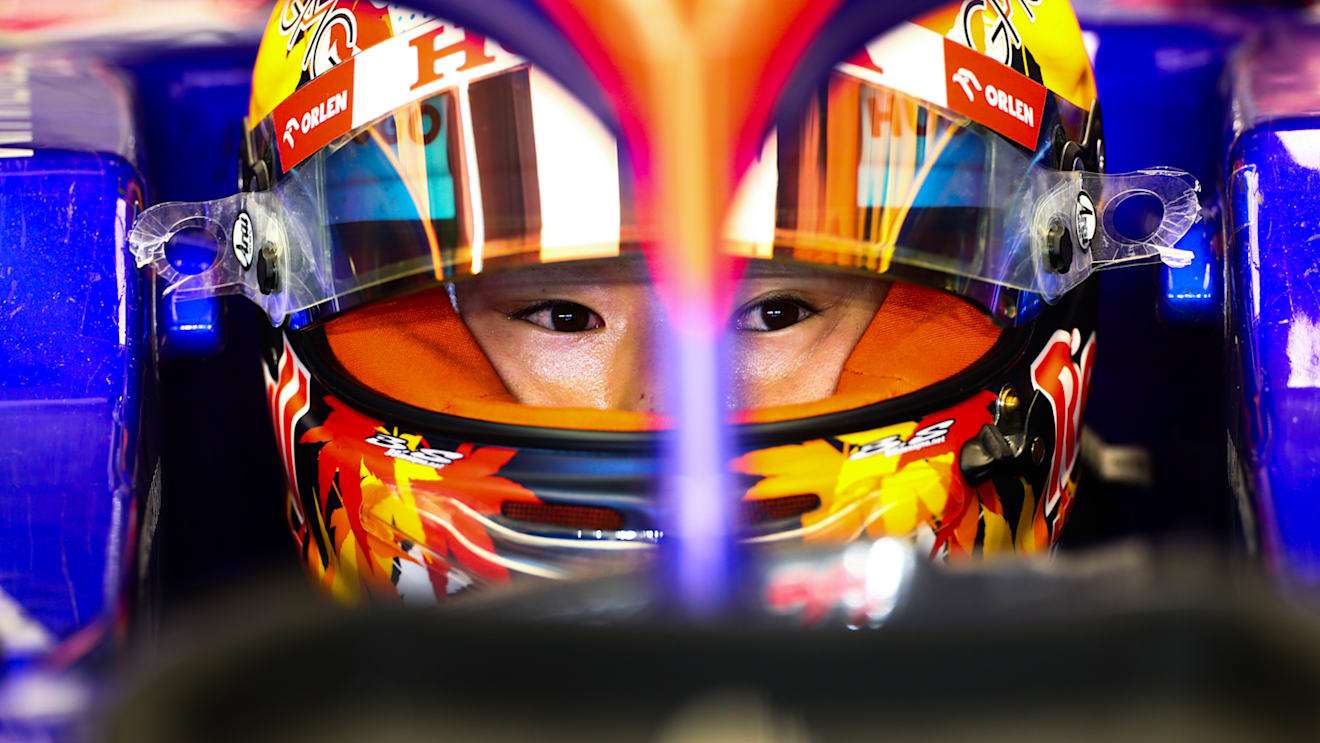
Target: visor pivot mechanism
{"points": [[1058, 246], [268, 269], [981, 456], [254, 171], [991, 448]]}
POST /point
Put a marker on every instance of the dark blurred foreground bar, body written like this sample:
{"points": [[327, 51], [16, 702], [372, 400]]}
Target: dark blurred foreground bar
{"points": [[1121, 645]]}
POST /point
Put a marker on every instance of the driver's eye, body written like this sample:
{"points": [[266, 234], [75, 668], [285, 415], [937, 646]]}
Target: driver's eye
{"points": [[561, 317], [775, 313]]}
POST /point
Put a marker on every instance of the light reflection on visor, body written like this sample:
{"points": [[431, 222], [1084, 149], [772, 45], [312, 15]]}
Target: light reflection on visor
{"points": [[512, 172]]}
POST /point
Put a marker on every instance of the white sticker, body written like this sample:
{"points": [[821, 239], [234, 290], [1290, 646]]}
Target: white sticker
{"points": [[399, 447], [243, 239], [1085, 219], [893, 446]]}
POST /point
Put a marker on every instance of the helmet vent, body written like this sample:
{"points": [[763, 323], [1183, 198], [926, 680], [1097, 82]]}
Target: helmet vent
{"points": [[773, 509], [586, 518]]}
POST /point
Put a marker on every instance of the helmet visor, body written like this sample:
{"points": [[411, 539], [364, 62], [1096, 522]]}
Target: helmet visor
{"points": [[874, 180], [509, 170]]}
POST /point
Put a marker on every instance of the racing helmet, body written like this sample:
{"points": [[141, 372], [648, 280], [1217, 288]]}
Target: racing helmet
{"points": [[460, 362]]}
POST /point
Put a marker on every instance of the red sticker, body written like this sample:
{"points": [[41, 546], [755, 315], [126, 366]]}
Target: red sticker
{"points": [[314, 115], [991, 94]]}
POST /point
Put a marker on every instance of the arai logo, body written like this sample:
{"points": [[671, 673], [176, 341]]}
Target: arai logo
{"points": [[244, 239], [1085, 219]]}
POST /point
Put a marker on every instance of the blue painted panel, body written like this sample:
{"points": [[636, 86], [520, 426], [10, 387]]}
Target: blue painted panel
{"points": [[72, 339], [1275, 284]]}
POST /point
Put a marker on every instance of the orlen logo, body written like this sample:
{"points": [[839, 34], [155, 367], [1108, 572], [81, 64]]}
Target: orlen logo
{"points": [[1062, 373], [993, 95], [323, 111], [970, 85], [307, 120]]}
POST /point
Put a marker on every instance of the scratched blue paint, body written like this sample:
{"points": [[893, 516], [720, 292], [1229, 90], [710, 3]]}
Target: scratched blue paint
{"points": [[72, 361], [1275, 286]]}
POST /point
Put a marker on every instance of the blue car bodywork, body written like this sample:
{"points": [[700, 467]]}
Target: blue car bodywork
{"points": [[76, 361]]}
